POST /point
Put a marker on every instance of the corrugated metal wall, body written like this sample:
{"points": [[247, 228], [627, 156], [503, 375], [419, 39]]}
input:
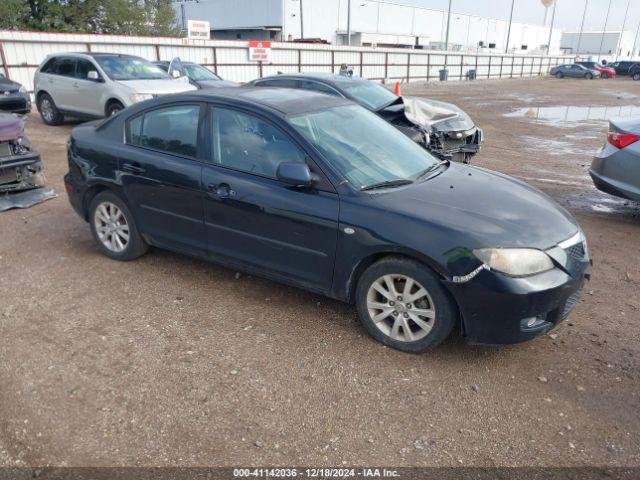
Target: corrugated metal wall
{"points": [[22, 52]]}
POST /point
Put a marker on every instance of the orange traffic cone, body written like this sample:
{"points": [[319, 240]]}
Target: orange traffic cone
{"points": [[396, 89]]}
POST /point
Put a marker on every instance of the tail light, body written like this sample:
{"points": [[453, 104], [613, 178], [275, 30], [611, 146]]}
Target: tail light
{"points": [[621, 140]]}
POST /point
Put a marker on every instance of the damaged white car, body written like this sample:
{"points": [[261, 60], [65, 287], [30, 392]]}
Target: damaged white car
{"points": [[442, 128]]}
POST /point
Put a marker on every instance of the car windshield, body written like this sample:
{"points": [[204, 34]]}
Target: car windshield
{"points": [[364, 148], [129, 68], [368, 94], [198, 72]]}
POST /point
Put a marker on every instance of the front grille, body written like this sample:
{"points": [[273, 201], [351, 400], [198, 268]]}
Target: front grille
{"points": [[569, 304], [576, 251], [13, 104]]}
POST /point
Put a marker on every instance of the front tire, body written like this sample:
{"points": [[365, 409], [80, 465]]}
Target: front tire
{"points": [[48, 110], [636, 76], [402, 304], [605, 75], [114, 108], [589, 76], [114, 228]]}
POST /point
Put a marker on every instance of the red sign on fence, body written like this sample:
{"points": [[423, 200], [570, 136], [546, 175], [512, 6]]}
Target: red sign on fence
{"points": [[259, 51]]}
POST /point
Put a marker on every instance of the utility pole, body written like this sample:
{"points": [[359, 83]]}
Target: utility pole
{"points": [[553, 17], [446, 38], [506, 48], [606, 20], [624, 24], [586, 4], [349, 22], [633, 50], [301, 21]]}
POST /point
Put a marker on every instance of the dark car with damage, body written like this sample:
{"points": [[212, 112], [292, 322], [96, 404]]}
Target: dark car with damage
{"points": [[14, 97], [442, 128], [318, 192], [20, 164]]}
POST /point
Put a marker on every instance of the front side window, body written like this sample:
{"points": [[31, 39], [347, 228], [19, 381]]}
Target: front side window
{"points": [[369, 94], [318, 87], [198, 72], [83, 69], [249, 144], [170, 129], [50, 66], [129, 68], [364, 148]]}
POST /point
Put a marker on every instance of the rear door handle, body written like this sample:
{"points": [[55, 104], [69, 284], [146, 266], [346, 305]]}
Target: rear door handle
{"points": [[134, 168]]}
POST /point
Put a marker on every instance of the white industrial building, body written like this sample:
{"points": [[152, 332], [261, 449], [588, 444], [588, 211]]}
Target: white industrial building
{"points": [[609, 44], [372, 23]]}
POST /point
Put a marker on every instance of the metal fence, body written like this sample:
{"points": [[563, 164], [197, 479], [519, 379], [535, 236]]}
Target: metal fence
{"points": [[22, 52]]}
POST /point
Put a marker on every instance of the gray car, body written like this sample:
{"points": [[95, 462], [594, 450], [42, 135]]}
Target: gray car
{"points": [[574, 71], [616, 167]]}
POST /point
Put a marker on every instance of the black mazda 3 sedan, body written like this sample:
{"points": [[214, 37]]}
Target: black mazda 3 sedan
{"points": [[318, 192]]}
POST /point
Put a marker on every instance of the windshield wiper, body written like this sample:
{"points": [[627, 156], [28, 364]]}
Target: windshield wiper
{"points": [[398, 182], [432, 168]]}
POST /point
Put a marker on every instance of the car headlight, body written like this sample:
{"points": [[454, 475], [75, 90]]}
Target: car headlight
{"points": [[517, 262], [22, 89], [140, 97]]}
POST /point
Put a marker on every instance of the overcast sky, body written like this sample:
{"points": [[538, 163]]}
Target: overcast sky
{"points": [[568, 13]]}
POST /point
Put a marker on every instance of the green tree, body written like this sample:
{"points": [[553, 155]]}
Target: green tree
{"points": [[12, 14]]}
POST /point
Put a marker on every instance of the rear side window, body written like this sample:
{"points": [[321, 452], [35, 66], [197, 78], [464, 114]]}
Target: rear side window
{"points": [[171, 130], [65, 67]]}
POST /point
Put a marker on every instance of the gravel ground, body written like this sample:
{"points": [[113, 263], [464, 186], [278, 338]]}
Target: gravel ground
{"points": [[172, 361]]}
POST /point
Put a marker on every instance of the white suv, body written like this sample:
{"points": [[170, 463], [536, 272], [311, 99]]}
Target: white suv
{"points": [[95, 85]]}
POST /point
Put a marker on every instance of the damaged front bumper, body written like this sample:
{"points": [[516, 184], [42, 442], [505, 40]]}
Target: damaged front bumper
{"points": [[458, 146], [20, 167]]}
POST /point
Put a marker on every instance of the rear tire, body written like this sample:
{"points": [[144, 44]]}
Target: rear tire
{"points": [[559, 75], [114, 228], [402, 304], [48, 110], [589, 76]]}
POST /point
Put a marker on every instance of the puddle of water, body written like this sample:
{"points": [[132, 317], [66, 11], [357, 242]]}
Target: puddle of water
{"points": [[570, 117], [555, 147]]}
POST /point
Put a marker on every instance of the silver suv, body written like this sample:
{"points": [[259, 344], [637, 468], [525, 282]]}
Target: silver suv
{"points": [[94, 85]]}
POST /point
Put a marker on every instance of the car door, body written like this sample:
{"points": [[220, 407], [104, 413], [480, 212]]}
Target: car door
{"points": [[258, 221], [161, 175], [89, 93], [59, 83], [576, 71]]}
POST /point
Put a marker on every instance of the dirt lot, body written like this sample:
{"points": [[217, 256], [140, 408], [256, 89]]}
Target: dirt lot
{"points": [[172, 361]]}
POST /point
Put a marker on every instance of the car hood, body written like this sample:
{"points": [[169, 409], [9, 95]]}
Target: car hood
{"points": [[7, 85], [11, 127], [158, 87], [216, 83], [486, 208], [442, 116]]}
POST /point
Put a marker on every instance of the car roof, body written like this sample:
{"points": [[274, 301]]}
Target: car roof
{"points": [[286, 101], [320, 76]]}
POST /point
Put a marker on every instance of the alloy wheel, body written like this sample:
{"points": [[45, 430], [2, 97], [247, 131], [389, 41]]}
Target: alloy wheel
{"points": [[401, 308], [46, 109], [111, 227]]}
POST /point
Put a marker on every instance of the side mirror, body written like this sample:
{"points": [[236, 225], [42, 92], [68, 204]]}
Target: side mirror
{"points": [[175, 73], [295, 174], [93, 76]]}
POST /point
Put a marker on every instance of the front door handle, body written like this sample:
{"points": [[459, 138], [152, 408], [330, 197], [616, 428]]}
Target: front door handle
{"points": [[222, 190], [134, 168]]}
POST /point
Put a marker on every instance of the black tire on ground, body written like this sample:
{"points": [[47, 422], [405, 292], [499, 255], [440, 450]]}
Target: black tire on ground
{"points": [[113, 108], [589, 76], [135, 247], [446, 312], [605, 75], [559, 75], [51, 115], [636, 76]]}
